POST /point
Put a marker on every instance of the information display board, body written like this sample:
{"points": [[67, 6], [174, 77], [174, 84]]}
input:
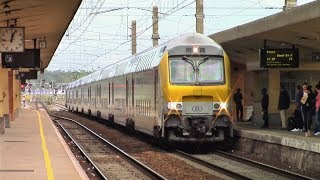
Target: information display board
{"points": [[32, 74], [279, 58], [30, 58]]}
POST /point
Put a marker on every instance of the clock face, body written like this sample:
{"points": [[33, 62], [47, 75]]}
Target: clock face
{"points": [[12, 39]]}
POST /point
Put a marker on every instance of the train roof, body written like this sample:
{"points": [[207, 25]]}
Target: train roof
{"points": [[149, 58]]}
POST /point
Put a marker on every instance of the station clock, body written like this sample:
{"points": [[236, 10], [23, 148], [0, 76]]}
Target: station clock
{"points": [[12, 39]]}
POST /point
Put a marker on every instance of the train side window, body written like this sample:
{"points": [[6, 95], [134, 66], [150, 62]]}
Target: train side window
{"points": [[88, 93], [127, 91], [77, 96], [112, 92], [132, 91], [100, 93], [109, 93]]}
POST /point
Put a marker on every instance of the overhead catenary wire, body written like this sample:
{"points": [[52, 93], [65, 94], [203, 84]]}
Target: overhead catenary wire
{"points": [[102, 32], [140, 33]]}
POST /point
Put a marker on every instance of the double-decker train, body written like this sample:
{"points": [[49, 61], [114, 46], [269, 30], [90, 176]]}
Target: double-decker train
{"points": [[178, 90]]}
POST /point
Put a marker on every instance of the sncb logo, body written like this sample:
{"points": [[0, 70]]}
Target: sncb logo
{"points": [[197, 108]]}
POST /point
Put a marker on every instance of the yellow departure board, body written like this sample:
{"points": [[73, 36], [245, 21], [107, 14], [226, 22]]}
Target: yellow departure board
{"points": [[279, 58]]}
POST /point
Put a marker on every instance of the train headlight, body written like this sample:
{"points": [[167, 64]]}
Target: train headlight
{"points": [[224, 105], [195, 50], [220, 105], [179, 106], [175, 105], [216, 106]]}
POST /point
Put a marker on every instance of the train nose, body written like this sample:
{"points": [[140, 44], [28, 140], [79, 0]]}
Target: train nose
{"points": [[199, 126]]}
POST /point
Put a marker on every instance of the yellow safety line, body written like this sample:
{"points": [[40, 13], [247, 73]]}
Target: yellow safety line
{"points": [[45, 150]]}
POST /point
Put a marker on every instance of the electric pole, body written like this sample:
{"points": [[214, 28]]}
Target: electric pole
{"points": [[155, 35], [199, 16], [134, 37]]}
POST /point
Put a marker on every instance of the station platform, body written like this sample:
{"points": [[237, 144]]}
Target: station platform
{"points": [[288, 150], [32, 148], [281, 137]]}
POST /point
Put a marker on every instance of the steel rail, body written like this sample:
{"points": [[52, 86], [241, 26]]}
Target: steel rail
{"points": [[211, 166], [143, 168], [259, 165], [82, 151], [59, 105]]}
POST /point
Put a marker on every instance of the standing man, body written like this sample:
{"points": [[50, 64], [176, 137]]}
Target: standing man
{"points": [[237, 98], [283, 105], [317, 129], [265, 105]]}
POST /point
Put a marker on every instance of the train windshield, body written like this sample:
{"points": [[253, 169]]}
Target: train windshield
{"points": [[196, 70]]}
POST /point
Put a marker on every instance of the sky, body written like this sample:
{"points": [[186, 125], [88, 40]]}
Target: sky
{"points": [[100, 33]]}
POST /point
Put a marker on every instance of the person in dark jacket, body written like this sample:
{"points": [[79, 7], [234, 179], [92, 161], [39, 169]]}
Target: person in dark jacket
{"points": [[298, 126], [237, 98], [299, 95], [283, 105], [317, 129], [307, 108], [265, 105]]}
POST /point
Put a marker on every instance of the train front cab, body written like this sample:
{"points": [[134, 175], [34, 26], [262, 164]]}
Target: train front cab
{"points": [[194, 112]]}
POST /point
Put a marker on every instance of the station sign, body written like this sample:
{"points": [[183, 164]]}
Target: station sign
{"points": [[279, 58], [30, 58]]}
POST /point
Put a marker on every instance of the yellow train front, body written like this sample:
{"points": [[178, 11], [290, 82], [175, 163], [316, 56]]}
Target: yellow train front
{"points": [[178, 90], [195, 81]]}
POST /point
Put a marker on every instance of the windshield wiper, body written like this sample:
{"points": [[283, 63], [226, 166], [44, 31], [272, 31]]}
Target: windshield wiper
{"points": [[190, 62], [203, 60]]}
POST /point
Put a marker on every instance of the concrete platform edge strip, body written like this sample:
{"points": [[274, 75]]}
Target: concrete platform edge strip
{"points": [[73, 159], [278, 139]]}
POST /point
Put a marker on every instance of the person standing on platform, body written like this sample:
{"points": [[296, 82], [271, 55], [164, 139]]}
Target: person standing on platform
{"points": [[283, 105], [298, 123], [299, 95], [307, 102], [318, 110], [237, 98], [265, 105]]}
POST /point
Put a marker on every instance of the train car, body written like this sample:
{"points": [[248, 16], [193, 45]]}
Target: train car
{"points": [[178, 90]]}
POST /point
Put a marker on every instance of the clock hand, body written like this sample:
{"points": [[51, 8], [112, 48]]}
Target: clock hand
{"points": [[12, 35]]}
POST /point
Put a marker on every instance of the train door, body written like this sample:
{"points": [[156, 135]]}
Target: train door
{"points": [[95, 96], [112, 94], [155, 112], [109, 95], [132, 97], [127, 97]]}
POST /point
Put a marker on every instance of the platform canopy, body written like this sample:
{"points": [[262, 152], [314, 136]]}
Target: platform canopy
{"points": [[47, 19], [299, 26]]}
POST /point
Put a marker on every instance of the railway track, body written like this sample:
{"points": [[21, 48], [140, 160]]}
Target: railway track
{"points": [[238, 167], [250, 169], [108, 160], [60, 106], [272, 169]]}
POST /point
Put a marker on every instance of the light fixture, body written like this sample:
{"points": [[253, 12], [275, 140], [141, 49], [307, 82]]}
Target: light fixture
{"points": [[195, 50]]}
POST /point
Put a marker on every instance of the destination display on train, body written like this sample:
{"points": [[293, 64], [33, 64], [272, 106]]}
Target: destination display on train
{"points": [[279, 58]]}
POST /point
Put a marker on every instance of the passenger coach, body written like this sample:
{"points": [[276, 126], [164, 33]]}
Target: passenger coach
{"points": [[178, 90]]}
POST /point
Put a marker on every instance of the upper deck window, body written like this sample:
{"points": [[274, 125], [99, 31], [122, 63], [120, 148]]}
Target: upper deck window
{"points": [[196, 70]]}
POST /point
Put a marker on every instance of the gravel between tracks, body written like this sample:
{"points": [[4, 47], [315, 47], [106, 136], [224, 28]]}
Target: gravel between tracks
{"points": [[160, 161], [113, 166]]}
